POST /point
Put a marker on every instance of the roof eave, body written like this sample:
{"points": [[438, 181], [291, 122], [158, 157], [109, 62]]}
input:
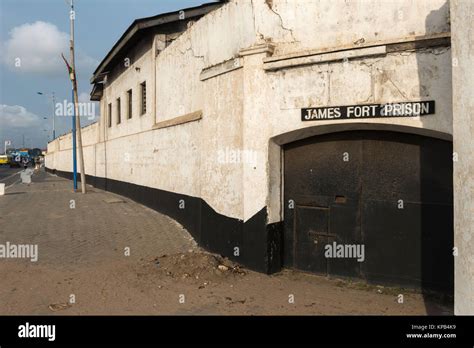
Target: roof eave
{"points": [[144, 23]]}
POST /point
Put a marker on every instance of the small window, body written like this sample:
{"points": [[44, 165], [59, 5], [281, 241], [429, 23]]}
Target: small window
{"points": [[129, 99], [118, 111], [143, 104], [109, 116]]}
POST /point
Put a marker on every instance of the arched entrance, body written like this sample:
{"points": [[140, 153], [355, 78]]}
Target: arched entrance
{"points": [[372, 204]]}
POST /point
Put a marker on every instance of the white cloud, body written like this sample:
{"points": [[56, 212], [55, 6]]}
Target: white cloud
{"points": [[21, 126], [17, 116], [37, 48]]}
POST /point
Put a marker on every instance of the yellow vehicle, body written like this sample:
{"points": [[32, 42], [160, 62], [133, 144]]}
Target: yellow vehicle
{"points": [[4, 159]]}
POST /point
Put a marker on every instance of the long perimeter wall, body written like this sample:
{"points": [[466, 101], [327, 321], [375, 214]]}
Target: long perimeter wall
{"points": [[234, 83]]}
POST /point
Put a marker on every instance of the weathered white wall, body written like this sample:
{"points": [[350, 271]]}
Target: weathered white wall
{"points": [[304, 27], [245, 108], [59, 154], [315, 24], [396, 77], [462, 16], [138, 72]]}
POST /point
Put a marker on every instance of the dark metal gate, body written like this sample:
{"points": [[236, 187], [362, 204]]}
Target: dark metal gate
{"points": [[388, 192]]}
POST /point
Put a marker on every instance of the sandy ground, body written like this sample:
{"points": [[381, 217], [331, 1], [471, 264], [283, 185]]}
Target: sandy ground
{"points": [[193, 283], [81, 253]]}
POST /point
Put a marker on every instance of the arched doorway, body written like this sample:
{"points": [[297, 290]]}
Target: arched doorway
{"points": [[370, 204]]}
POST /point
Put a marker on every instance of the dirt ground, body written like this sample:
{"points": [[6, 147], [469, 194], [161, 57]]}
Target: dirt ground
{"points": [[82, 268], [195, 283]]}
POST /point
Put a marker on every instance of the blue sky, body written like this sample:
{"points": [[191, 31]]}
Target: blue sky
{"points": [[37, 31]]}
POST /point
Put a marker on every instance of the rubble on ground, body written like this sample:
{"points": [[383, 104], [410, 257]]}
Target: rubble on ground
{"points": [[197, 266]]}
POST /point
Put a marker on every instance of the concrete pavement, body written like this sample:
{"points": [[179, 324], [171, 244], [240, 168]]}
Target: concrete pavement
{"points": [[72, 228]]}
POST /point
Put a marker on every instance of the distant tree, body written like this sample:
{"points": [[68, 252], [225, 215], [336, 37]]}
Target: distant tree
{"points": [[34, 152]]}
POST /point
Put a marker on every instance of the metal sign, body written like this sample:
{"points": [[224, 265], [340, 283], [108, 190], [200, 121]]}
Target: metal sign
{"points": [[402, 109]]}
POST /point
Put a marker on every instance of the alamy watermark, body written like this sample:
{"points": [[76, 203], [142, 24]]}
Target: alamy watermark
{"points": [[66, 108], [237, 156], [345, 251], [37, 331], [19, 251]]}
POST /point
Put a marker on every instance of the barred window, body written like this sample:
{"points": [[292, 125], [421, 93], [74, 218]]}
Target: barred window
{"points": [[129, 99], [109, 115], [143, 106], [118, 111]]}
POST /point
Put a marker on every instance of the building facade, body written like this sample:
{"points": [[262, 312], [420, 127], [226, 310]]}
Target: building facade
{"points": [[315, 135]]}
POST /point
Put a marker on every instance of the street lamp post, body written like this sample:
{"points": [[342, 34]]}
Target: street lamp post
{"points": [[52, 96]]}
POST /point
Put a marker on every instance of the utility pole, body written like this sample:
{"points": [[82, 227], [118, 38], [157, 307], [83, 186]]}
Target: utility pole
{"points": [[72, 16], [74, 147], [53, 100]]}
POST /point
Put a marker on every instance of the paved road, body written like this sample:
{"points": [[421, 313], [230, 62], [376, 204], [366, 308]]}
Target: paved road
{"points": [[9, 175]]}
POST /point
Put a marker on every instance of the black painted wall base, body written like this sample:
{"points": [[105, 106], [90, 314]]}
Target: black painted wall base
{"points": [[254, 244]]}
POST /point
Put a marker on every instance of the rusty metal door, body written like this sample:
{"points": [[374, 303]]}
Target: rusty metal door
{"points": [[312, 222], [322, 194], [390, 192]]}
